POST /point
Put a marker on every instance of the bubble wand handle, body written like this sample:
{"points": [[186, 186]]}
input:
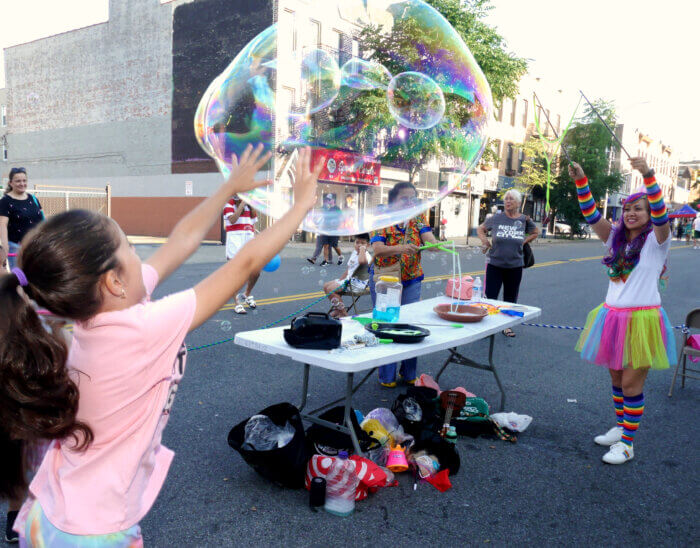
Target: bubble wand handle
{"points": [[606, 125], [438, 244], [561, 144]]}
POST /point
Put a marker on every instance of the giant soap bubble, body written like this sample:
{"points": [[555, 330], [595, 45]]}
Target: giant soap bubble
{"points": [[388, 93]]}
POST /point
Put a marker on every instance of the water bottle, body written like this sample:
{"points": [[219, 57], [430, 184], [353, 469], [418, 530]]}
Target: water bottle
{"points": [[341, 485], [476, 289], [388, 303]]}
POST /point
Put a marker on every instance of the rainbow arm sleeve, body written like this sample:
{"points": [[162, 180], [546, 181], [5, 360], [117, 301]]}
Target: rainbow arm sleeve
{"points": [[659, 215], [586, 202]]}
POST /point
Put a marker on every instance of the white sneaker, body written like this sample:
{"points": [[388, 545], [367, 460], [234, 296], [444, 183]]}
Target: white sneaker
{"points": [[250, 301], [239, 308], [610, 437], [619, 453]]}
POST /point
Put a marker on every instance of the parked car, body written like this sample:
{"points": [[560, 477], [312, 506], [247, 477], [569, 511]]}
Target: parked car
{"points": [[564, 228]]}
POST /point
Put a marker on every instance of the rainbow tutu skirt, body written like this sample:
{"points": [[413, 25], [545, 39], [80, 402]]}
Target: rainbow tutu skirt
{"points": [[622, 338]]}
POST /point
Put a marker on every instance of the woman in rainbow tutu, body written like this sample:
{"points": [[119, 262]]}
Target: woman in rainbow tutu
{"points": [[630, 333]]}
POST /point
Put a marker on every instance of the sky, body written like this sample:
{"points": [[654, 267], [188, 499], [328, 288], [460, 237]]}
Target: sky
{"points": [[640, 53]]}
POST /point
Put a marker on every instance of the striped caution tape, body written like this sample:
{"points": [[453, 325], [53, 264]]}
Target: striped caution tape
{"points": [[574, 328]]}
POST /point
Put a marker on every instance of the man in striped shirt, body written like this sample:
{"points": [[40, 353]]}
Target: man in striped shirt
{"points": [[239, 223]]}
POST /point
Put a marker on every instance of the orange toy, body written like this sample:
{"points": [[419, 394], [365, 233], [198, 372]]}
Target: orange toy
{"points": [[396, 462]]}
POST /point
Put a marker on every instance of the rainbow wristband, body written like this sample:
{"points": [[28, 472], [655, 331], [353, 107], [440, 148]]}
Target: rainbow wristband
{"points": [[586, 202], [659, 214]]}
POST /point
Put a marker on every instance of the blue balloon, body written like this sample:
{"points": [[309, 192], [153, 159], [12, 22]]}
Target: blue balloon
{"points": [[273, 265]]}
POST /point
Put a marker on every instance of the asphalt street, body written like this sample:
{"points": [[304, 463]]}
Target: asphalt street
{"points": [[548, 488]]}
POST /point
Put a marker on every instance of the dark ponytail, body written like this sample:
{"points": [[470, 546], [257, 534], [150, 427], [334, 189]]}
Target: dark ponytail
{"points": [[63, 259]]}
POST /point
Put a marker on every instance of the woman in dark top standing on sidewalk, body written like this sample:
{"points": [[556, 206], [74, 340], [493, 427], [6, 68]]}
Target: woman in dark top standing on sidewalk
{"points": [[19, 213], [510, 231]]}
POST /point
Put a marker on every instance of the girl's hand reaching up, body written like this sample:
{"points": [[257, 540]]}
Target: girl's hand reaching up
{"points": [[306, 184], [243, 170]]}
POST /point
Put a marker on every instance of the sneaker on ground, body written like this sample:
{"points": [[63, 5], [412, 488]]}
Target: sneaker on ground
{"points": [[10, 535], [312, 260], [388, 384], [619, 453], [611, 436], [250, 301], [240, 301], [340, 259], [324, 262]]}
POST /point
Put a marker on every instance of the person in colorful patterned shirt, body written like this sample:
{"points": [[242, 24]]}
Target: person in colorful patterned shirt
{"points": [[630, 333], [401, 244]]}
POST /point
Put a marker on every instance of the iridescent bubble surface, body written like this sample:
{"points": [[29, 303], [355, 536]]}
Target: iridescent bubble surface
{"points": [[415, 100], [391, 95]]}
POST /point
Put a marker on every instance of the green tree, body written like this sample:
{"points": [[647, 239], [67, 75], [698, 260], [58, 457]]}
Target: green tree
{"points": [[534, 173], [590, 144], [411, 43], [503, 69]]}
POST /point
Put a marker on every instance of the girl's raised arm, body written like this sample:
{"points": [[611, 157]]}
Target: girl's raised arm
{"points": [[190, 231], [215, 290]]}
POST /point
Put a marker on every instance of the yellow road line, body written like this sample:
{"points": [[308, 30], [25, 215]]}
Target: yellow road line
{"points": [[317, 294]]}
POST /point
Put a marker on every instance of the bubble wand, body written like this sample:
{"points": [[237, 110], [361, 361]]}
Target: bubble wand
{"points": [[561, 142], [438, 245], [606, 125], [558, 142]]}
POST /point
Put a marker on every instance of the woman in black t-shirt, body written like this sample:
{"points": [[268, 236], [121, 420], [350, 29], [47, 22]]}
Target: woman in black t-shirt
{"points": [[19, 213]]}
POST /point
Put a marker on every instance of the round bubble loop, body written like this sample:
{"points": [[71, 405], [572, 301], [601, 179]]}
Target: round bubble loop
{"points": [[381, 102]]}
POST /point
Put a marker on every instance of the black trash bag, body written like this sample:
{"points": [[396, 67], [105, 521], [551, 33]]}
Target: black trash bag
{"points": [[446, 452], [427, 400], [285, 466], [326, 441]]}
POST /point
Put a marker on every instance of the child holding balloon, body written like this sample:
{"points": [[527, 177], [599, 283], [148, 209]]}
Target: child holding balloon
{"points": [[630, 333], [106, 464], [239, 224]]}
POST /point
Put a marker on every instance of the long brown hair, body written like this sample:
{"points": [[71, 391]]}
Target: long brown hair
{"points": [[63, 259]]}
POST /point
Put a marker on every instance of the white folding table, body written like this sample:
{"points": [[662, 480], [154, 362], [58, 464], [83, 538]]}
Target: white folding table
{"points": [[442, 337]]}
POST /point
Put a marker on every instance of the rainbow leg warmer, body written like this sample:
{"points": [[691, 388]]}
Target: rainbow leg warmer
{"points": [[659, 215], [619, 402], [634, 409], [586, 202]]}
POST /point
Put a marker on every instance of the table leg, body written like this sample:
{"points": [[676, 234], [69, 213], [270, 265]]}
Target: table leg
{"points": [[305, 387], [456, 357], [492, 342], [339, 400], [444, 365], [348, 414]]}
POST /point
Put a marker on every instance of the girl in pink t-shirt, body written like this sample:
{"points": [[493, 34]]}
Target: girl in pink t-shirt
{"points": [[103, 401]]}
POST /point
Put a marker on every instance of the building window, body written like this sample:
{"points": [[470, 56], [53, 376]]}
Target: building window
{"points": [[4, 115], [521, 159], [315, 33], [513, 112], [509, 158], [4, 153], [345, 45], [290, 25], [525, 109], [289, 98]]}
